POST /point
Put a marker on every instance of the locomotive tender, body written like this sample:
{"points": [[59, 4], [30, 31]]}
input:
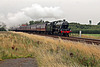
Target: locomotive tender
{"points": [[55, 27]]}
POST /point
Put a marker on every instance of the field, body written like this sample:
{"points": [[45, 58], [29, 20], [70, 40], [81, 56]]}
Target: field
{"points": [[96, 35], [93, 36], [49, 52]]}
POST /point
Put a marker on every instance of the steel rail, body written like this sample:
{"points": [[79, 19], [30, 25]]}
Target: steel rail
{"points": [[77, 39]]}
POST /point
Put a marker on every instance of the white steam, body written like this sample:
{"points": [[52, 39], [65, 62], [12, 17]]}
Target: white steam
{"points": [[35, 12]]}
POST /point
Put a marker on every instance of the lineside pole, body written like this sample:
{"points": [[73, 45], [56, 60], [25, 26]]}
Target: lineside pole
{"points": [[80, 32]]}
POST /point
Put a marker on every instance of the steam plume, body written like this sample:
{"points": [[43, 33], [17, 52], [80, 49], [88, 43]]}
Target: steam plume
{"points": [[35, 12]]}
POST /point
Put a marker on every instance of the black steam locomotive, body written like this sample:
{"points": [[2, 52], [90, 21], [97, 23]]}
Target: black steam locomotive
{"points": [[55, 27]]}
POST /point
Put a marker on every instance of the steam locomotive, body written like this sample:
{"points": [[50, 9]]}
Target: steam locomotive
{"points": [[55, 27]]}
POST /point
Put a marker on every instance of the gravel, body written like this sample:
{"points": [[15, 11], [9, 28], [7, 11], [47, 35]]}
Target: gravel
{"points": [[20, 62]]}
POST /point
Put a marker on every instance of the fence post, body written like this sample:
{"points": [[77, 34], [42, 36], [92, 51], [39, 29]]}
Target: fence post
{"points": [[80, 32]]}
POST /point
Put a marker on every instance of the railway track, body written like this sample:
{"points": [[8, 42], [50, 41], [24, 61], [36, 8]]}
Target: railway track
{"points": [[86, 40], [77, 39]]}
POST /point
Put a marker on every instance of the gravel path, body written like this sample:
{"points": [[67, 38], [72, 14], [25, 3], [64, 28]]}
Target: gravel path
{"points": [[20, 62]]}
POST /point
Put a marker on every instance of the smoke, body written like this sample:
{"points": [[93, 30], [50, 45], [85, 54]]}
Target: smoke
{"points": [[35, 12]]}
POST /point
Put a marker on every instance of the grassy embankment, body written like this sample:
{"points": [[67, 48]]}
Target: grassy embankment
{"points": [[48, 52], [93, 36], [96, 35]]}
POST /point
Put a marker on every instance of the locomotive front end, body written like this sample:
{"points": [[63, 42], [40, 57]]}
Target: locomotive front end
{"points": [[64, 28]]}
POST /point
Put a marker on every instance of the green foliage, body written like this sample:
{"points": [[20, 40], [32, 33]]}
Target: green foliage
{"points": [[86, 29], [2, 29], [35, 22], [2, 26], [81, 26], [31, 22], [96, 35], [98, 23], [46, 21]]}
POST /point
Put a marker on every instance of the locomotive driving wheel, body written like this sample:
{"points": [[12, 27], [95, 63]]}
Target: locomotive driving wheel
{"points": [[66, 34]]}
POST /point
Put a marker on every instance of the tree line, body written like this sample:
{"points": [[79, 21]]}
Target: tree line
{"points": [[86, 29]]}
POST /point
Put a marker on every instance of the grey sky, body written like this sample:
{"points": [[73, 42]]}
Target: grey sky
{"points": [[74, 10]]}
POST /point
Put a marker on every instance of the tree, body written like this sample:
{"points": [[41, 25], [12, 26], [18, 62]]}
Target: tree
{"points": [[98, 23], [46, 21], [2, 29], [2, 26], [90, 22], [31, 22], [27, 24]]}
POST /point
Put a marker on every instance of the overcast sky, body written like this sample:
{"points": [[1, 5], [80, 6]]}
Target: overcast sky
{"points": [[73, 10]]}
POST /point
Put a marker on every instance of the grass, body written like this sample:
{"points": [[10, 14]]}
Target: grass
{"points": [[96, 35], [93, 36], [48, 52], [74, 34]]}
